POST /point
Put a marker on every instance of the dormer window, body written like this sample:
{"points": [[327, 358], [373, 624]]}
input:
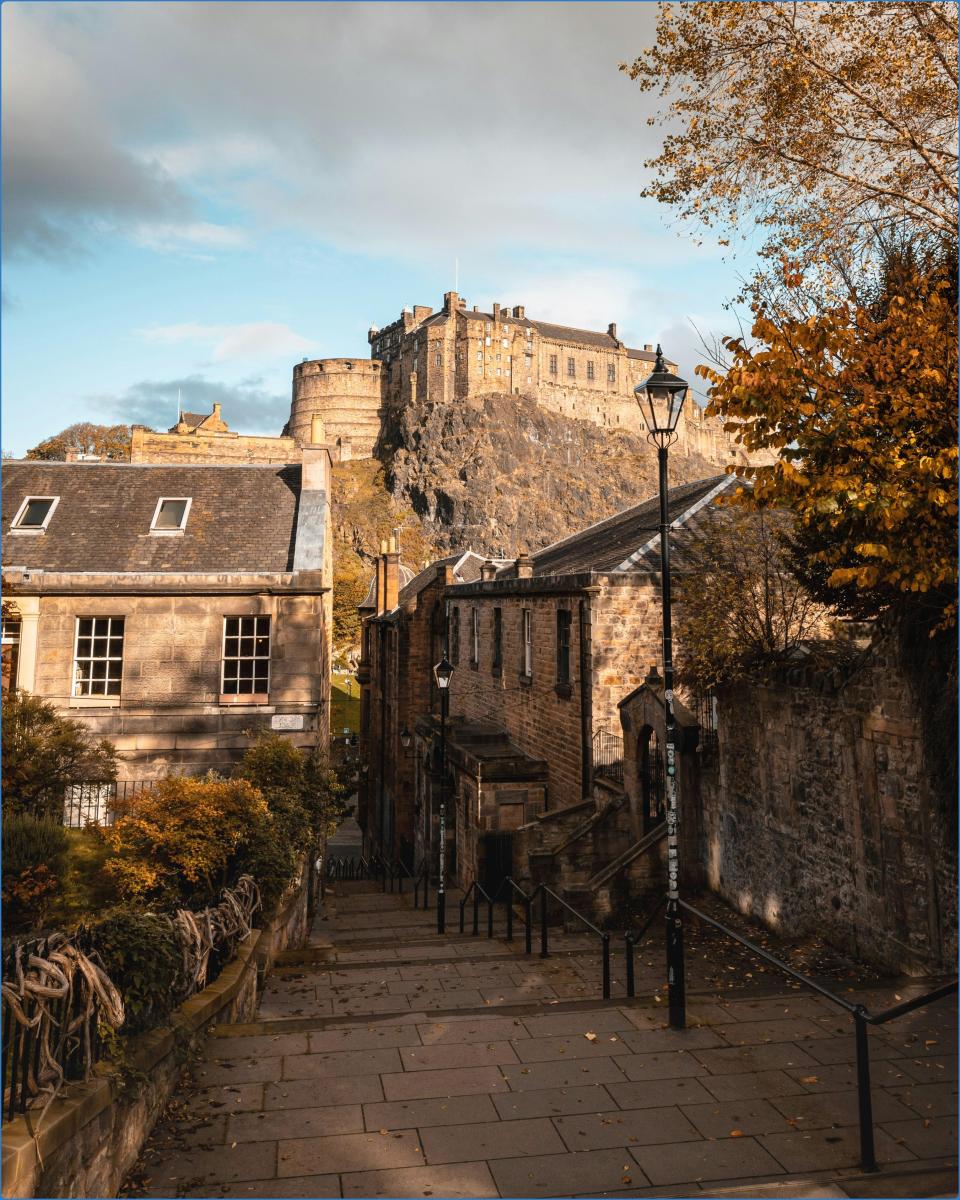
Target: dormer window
{"points": [[171, 514], [33, 515]]}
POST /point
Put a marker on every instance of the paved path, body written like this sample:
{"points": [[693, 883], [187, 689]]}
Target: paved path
{"points": [[388, 1062]]}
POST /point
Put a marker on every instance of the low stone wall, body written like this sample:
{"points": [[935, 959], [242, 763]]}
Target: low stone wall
{"points": [[92, 1133]]}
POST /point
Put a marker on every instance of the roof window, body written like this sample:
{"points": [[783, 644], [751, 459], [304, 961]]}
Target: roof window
{"points": [[171, 514], [33, 515]]}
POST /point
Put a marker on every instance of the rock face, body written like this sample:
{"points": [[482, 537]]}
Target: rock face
{"points": [[500, 473]]}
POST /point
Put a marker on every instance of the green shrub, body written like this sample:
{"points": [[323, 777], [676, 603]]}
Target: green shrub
{"points": [[141, 953], [34, 854]]}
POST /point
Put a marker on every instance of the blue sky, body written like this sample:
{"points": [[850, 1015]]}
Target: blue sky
{"points": [[197, 196]]}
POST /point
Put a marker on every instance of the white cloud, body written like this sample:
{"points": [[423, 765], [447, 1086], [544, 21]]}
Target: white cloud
{"points": [[227, 343], [168, 237]]}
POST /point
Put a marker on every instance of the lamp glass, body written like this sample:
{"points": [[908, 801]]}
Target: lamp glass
{"points": [[662, 394], [443, 673]]}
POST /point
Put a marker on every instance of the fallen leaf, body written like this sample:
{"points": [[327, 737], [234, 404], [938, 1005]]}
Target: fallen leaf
{"points": [[592, 1037], [810, 1079], [736, 1133]]}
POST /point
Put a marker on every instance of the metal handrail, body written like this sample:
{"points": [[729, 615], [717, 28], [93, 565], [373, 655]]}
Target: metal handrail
{"points": [[861, 1019], [528, 912], [422, 876], [544, 892], [632, 940], [477, 891]]}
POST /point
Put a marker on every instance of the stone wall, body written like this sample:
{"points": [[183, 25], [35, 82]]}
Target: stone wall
{"points": [[149, 447], [93, 1132], [170, 714], [819, 818]]}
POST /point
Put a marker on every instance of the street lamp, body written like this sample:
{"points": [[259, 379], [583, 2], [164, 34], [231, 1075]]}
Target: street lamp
{"points": [[443, 673], [405, 738], [661, 398]]}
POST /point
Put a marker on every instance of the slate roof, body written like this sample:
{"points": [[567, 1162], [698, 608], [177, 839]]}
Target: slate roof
{"points": [[243, 518], [370, 600], [606, 545]]}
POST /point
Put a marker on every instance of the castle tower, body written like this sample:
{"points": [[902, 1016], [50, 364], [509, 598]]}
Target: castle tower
{"points": [[347, 393]]}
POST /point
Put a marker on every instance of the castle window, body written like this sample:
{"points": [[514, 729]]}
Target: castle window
{"points": [[498, 370], [171, 515], [529, 360], [611, 372], [246, 656], [553, 364], [33, 515], [98, 656], [479, 356], [504, 341], [486, 341], [438, 359], [571, 368], [489, 327], [590, 369]]}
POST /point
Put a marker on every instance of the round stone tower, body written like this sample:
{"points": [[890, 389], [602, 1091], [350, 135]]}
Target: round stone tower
{"points": [[347, 393]]}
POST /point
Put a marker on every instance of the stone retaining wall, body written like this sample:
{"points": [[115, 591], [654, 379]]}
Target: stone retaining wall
{"points": [[92, 1133]]}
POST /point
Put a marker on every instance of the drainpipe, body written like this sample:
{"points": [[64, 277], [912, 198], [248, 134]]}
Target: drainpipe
{"points": [[586, 703]]}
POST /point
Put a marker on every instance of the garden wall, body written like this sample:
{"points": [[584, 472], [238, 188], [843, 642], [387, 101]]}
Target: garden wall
{"points": [[93, 1132], [819, 816]]}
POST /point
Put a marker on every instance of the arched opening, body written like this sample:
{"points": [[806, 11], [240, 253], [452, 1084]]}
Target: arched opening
{"points": [[652, 779]]}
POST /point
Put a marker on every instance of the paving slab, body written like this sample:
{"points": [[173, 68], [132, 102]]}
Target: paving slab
{"points": [[929, 1099], [543, 1049], [701, 1037], [782, 1029], [467, 1179], [822, 1109], [639, 1127], [466, 1054], [304, 1122], [316, 1187], [744, 1117], [736, 1060], [201, 1168], [340, 1064], [362, 1038], [563, 1074], [924, 1137], [828, 1149], [748, 1084], [243, 1070], [420, 1114], [459, 1081], [731, 1158], [314, 1093], [490, 1140], [274, 1045], [671, 1065], [594, 1173], [474, 1029], [243, 1097], [352, 1152], [550, 1102], [654, 1093]]}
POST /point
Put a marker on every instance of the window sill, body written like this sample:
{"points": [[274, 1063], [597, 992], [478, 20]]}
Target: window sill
{"points": [[93, 702], [167, 532], [26, 532], [564, 690], [232, 701]]}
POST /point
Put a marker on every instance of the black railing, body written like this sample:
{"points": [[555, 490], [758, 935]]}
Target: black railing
{"points": [[512, 886], [608, 755], [604, 937], [422, 878], [94, 803], [347, 869], [477, 891], [861, 1019], [631, 940]]}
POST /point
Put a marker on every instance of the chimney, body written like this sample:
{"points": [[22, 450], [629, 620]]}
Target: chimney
{"points": [[612, 330], [476, 308], [391, 575], [72, 456], [648, 347], [519, 311], [216, 410], [496, 312], [451, 302], [381, 576], [524, 565], [318, 435], [488, 570]]}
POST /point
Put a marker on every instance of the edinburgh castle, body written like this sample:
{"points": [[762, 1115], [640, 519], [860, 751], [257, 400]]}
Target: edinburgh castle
{"points": [[437, 358]]}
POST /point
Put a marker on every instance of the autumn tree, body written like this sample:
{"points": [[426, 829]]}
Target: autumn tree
{"points": [[107, 441], [826, 124], [741, 606]]}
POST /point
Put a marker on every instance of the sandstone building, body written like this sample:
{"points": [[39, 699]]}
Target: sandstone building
{"points": [[427, 357], [172, 608]]}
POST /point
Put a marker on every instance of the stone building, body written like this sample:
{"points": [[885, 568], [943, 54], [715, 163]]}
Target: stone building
{"points": [[403, 638], [172, 608], [544, 649]]}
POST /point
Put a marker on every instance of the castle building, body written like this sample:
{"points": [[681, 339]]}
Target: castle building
{"points": [[456, 353]]}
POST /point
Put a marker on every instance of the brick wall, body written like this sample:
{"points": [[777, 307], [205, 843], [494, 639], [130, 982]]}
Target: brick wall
{"points": [[818, 817]]}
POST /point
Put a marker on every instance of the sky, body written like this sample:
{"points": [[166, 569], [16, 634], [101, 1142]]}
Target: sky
{"points": [[197, 196]]}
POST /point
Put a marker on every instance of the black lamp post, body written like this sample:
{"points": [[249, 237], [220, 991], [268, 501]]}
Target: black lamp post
{"points": [[443, 673], [661, 398]]}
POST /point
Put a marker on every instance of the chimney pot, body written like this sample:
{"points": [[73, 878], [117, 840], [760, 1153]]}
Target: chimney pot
{"points": [[647, 346], [524, 565], [496, 312], [488, 570], [612, 330]]}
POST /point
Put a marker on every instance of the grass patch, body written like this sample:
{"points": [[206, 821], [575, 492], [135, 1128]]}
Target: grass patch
{"points": [[344, 704]]}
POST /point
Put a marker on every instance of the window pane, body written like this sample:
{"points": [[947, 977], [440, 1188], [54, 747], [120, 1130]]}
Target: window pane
{"points": [[232, 626], [231, 647], [245, 668], [100, 647], [230, 687], [246, 647], [261, 677], [85, 626], [263, 647], [171, 514], [263, 626], [35, 513], [113, 687]]}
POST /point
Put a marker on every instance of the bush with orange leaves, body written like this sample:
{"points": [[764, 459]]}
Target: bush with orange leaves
{"points": [[178, 842]]}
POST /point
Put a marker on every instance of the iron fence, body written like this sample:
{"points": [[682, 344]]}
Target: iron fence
{"points": [[94, 803], [608, 755]]}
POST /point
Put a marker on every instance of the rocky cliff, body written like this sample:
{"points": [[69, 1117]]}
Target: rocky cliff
{"points": [[500, 473]]}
